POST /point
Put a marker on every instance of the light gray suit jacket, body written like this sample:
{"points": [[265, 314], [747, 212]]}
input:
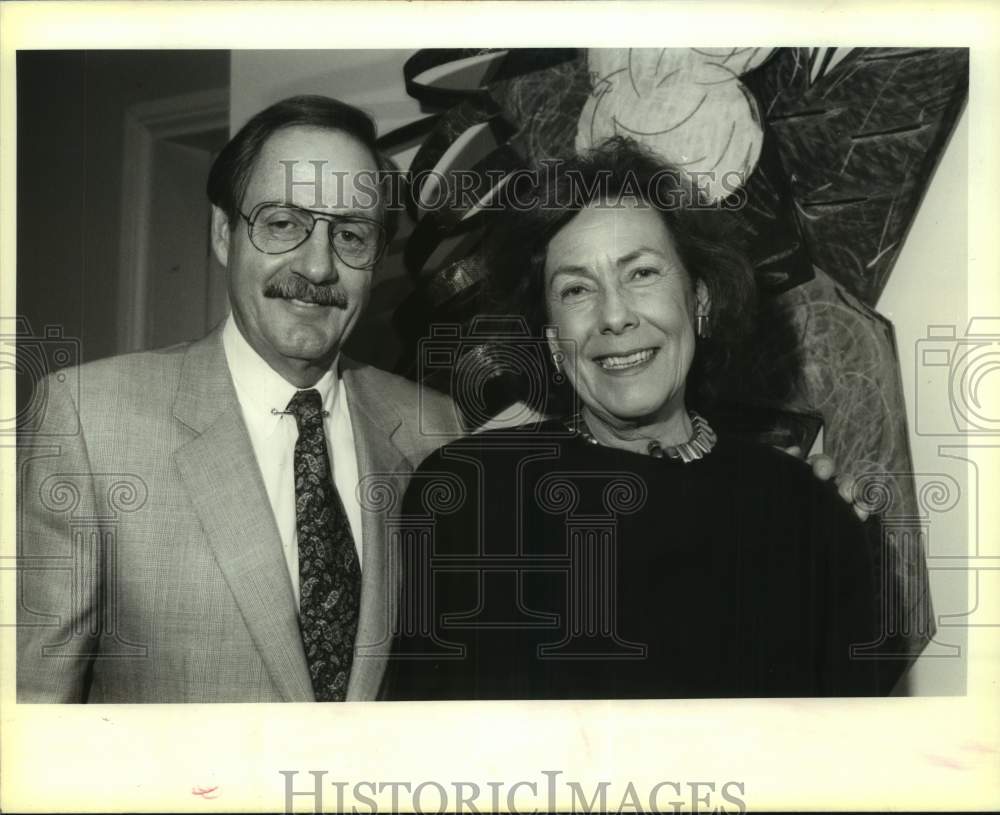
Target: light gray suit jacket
{"points": [[151, 569]]}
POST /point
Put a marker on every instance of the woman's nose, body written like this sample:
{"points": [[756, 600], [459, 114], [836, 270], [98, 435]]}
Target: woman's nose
{"points": [[617, 313]]}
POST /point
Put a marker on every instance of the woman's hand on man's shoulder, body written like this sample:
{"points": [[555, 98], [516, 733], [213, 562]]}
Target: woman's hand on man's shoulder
{"points": [[824, 469]]}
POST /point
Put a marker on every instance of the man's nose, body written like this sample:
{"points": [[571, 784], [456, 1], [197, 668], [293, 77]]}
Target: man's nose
{"points": [[314, 259]]}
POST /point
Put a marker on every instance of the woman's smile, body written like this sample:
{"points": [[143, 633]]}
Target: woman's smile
{"points": [[631, 362]]}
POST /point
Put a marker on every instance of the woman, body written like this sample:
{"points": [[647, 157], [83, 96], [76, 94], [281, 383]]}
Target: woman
{"points": [[624, 550]]}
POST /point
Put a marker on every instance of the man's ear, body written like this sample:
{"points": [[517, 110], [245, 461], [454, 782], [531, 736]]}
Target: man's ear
{"points": [[220, 235]]}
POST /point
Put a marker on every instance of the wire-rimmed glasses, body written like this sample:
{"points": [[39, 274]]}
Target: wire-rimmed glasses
{"points": [[275, 228]]}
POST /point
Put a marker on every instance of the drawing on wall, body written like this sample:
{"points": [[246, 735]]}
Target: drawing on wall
{"points": [[687, 104], [833, 149]]}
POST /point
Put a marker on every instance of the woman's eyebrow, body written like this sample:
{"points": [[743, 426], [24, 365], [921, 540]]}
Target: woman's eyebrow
{"points": [[642, 250], [578, 270]]}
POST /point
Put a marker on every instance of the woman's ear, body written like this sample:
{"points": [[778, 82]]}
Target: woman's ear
{"points": [[220, 235]]}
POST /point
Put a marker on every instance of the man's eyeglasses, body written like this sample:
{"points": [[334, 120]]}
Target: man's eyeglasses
{"points": [[278, 228]]}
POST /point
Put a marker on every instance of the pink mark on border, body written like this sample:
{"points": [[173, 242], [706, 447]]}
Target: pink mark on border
{"points": [[944, 761]]}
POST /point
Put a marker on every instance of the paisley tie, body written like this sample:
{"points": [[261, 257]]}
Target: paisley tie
{"points": [[329, 570]]}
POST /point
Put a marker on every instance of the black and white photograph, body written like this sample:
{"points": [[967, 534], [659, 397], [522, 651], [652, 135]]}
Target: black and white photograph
{"points": [[626, 398]]}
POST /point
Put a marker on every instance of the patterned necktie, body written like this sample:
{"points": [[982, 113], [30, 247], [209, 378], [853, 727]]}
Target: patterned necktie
{"points": [[329, 571]]}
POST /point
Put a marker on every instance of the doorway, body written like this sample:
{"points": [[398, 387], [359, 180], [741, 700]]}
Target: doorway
{"points": [[171, 288]]}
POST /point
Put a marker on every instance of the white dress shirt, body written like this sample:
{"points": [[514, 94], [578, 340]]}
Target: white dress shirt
{"points": [[260, 389]]}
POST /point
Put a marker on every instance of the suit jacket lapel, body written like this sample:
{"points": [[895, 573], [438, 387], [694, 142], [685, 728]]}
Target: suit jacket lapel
{"points": [[383, 471], [222, 477]]}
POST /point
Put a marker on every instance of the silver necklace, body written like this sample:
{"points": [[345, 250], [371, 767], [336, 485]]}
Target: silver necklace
{"points": [[698, 446]]}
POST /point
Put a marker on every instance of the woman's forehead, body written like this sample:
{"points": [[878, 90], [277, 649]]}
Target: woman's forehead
{"points": [[609, 229]]}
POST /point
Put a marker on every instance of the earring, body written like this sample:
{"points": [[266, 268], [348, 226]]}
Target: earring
{"points": [[701, 326], [557, 356]]}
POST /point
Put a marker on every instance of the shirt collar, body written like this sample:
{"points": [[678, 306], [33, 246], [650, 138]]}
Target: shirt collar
{"points": [[263, 393]]}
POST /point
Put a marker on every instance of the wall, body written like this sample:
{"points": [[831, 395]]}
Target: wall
{"points": [[928, 287], [70, 108]]}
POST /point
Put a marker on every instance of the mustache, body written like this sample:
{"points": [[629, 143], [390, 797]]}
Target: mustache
{"points": [[296, 288]]}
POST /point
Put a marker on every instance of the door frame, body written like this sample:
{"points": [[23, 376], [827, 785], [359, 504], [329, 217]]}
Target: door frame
{"points": [[144, 124]]}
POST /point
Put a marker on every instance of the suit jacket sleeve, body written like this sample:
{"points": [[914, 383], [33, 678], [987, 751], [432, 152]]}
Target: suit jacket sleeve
{"points": [[60, 562]]}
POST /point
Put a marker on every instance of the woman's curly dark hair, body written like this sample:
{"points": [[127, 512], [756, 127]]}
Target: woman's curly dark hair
{"points": [[537, 204]]}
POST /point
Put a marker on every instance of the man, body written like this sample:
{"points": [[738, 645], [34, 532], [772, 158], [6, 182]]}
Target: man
{"points": [[246, 567]]}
